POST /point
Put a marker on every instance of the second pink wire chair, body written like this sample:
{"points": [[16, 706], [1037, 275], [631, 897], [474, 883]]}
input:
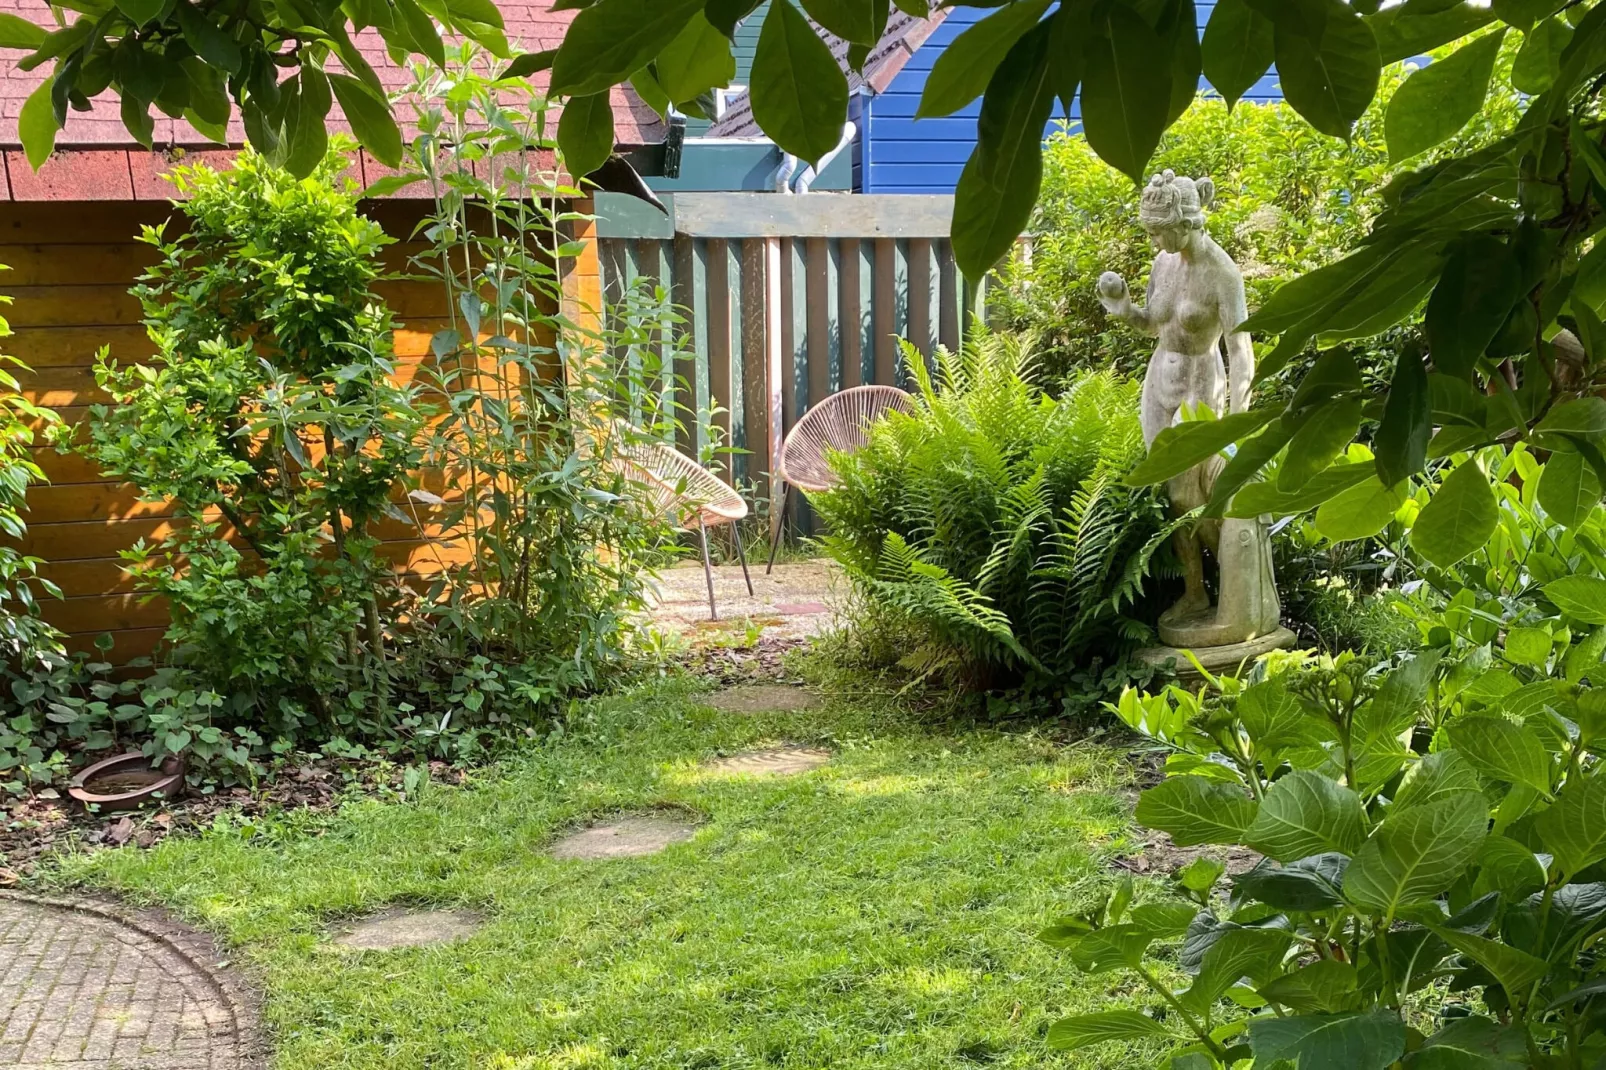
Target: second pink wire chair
{"points": [[840, 423]]}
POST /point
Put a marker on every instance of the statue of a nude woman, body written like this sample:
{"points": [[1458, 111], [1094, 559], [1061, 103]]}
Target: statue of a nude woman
{"points": [[1195, 303]]}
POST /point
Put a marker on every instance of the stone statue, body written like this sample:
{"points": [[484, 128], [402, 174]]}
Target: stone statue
{"points": [[1195, 303]]}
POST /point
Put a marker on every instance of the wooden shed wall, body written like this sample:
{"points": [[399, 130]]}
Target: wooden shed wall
{"points": [[71, 267]]}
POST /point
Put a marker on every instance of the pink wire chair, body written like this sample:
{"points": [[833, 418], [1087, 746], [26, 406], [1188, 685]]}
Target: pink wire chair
{"points": [[841, 423], [679, 487]]}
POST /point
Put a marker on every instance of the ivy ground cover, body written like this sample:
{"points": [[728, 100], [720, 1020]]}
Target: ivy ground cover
{"points": [[880, 911]]}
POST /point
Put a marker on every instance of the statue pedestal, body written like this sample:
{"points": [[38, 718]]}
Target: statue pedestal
{"points": [[1215, 659]]}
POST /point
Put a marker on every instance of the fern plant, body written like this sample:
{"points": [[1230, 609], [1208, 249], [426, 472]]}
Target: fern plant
{"points": [[991, 522]]}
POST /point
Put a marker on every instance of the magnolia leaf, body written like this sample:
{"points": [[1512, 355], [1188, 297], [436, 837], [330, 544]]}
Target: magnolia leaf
{"points": [[37, 126], [1401, 442], [1441, 98], [1330, 79], [1459, 519], [697, 60], [1263, 498], [1358, 513], [1583, 598], [1501, 751], [1416, 854], [18, 32], [1305, 813], [1405, 31], [1323, 433], [1539, 60], [1194, 810], [1580, 416], [612, 39], [585, 133], [799, 94], [529, 63], [851, 20], [1369, 1041], [1238, 49], [1574, 829], [1481, 281], [1126, 94], [964, 68], [370, 118], [1086, 1030], [1181, 446], [1569, 489], [209, 40], [998, 187], [1524, 13]]}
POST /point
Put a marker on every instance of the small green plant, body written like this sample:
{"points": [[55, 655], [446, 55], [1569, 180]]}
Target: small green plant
{"points": [[1432, 841], [991, 524]]}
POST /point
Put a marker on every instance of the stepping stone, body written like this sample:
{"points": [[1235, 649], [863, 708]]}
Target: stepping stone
{"points": [[778, 761], [395, 929], [763, 698], [628, 836]]}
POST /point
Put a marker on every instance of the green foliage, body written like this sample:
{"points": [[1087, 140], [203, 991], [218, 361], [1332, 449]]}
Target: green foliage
{"points": [[993, 523], [1416, 831], [271, 423], [24, 637], [1287, 201]]}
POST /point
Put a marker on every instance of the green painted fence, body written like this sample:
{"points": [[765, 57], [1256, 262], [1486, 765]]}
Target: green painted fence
{"points": [[787, 299]]}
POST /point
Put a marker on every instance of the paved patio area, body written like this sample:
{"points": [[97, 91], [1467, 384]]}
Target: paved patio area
{"points": [[82, 988], [794, 602]]}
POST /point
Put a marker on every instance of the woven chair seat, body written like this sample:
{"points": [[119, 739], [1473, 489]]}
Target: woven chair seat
{"points": [[679, 486], [840, 423]]}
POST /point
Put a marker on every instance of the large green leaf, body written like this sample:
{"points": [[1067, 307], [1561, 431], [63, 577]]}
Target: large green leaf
{"points": [[1401, 442], [1539, 60], [585, 133], [1330, 79], [998, 187], [1326, 986], [1524, 13], [799, 94], [1193, 810], [1515, 969], [612, 39], [1178, 27], [1323, 433], [37, 126], [1237, 49], [725, 14], [1086, 1030], [697, 60], [1369, 1041], [1471, 1043], [851, 20], [964, 68], [1404, 33], [1126, 95], [1582, 598], [1358, 513], [1252, 952], [1580, 416], [307, 139], [1181, 446], [1264, 498], [1502, 751], [1569, 489], [18, 32], [370, 118], [1111, 948], [1458, 520], [1574, 829], [1310, 884], [1507, 867], [1305, 814], [1438, 100], [1416, 854], [1481, 281]]}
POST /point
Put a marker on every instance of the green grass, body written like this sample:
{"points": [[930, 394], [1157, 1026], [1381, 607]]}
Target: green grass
{"points": [[878, 912]]}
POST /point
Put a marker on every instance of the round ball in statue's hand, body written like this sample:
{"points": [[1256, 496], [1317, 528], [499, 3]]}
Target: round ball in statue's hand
{"points": [[1112, 286]]}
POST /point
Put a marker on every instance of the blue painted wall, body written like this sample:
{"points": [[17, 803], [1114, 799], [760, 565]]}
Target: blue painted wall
{"points": [[900, 154]]}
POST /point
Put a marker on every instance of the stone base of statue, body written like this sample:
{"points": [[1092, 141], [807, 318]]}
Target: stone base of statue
{"points": [[1215, 659]]}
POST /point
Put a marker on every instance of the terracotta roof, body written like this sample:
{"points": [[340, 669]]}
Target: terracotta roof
{"points": [[905, 34], [96, 159]]}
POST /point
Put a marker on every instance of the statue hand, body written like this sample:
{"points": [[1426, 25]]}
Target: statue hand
{"points": [[1113, 292]]}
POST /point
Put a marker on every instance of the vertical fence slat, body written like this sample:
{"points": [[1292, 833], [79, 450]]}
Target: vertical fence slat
{"points": [[720, 399], [736, 356], [683, 291], [952, 288], [919, 290], [774, 362], [833, 316], [848, 311], [756, 361], [817, 353], [866, 312], [884, 306]]}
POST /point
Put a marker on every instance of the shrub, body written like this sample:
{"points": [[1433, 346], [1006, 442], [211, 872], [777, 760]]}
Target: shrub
{"points": [[992, 522]]}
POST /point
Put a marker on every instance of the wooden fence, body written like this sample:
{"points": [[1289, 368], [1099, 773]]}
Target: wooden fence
{"points": [[788, 299]]}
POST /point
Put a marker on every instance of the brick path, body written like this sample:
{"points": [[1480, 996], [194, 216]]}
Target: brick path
{"points": [[83, 989]]}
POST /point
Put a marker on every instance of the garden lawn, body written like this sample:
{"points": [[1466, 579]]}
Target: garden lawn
{"points": [[877, 912]]}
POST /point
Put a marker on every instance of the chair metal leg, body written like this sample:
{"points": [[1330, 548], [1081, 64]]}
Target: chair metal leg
{"points": [[777, 527], [708, 569], [741, 555]]}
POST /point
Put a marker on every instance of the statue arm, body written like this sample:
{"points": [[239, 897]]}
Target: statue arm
{"points": [[1240, 347], [1117, 301]]}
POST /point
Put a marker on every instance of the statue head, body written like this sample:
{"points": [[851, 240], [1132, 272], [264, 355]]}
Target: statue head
{"points": [[1172, 209]]}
